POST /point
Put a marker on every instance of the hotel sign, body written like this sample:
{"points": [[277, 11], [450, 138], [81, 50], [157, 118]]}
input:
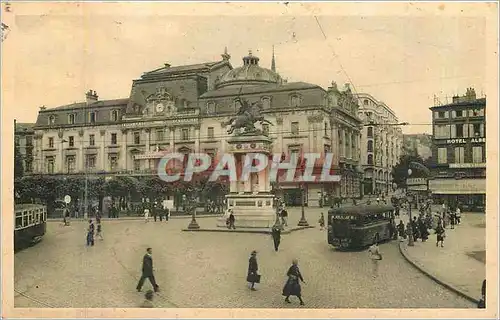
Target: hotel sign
{"points": [[184, 121], [467, 165], [461, 140], [416, 181], [151, 155]]}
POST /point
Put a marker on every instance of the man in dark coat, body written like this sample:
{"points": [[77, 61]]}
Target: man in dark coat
{"points": [[276, 233], [90, 234], [253, 277], [231, 220], [147, 271], [292, 286]]}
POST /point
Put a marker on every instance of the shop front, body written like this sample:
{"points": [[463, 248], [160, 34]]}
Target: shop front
{"points": [[470, 194]]}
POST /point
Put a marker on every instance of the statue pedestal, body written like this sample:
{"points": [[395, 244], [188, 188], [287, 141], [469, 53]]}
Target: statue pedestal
{"points": [[251, 201]]}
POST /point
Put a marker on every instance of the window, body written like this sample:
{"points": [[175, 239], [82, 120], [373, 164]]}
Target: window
{"points": [[52, 119], [185, 134], [28, 166], [50, 164], [113, 162], [137, 165], [295, 101], [92, 117], [91, 140], [71, 118], [442, 131], [71, 141], [370, 132], [211, 107], [29, 141], [51, 142], [370, 146], [477, 154], [459, 113], [459, 130], [210, 132], [476, 113], [265, 128], [442, 155], [326, 129], [71, 163], [266, 103], [370, 159], [114, 115], [137, 137], [295, 128], [459, 155], [91, 161], [365, 102], [441, 114], [160, 133], [113, 138]]}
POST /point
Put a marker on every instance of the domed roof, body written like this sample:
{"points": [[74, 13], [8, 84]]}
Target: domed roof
{"points": [[248, 74]]}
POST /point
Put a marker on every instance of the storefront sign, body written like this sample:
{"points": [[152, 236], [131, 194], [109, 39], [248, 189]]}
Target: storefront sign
{"points": [[416, 181], [462, 186], [151, 155], [467, 165], [145, 124], [184, 121]]}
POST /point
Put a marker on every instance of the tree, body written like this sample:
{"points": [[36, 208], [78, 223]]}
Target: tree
{"points": [[18, 163], [400, 171]]}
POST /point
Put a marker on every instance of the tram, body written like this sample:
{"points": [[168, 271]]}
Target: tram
{"points": [[30, 224]]}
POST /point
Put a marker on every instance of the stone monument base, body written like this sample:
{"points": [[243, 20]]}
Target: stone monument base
{"points": [[250, 210]]}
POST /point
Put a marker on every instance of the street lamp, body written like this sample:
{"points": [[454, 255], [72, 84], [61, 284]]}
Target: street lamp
{"points": [[303, 222], [193, 225], [409, 197]]}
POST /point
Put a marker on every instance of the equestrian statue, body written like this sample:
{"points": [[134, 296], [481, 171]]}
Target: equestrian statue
{"points": [[247, 116]]}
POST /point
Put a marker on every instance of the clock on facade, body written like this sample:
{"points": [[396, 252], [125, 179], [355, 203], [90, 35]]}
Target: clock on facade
{"points": [[159, 107]]}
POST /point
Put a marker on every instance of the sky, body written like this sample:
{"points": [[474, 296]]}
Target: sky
{"points": [[400, 55]]}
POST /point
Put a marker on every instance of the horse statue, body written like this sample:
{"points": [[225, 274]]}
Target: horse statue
{"points": [[247, 116]]}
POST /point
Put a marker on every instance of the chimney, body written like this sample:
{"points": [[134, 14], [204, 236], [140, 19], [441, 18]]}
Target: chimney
{"points": [[456, 99], [167, 65], [471, 94], [91, 97]]}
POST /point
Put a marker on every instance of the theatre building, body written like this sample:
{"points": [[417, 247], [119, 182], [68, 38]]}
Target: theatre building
{"points": [[459, 152], [185, 109]]}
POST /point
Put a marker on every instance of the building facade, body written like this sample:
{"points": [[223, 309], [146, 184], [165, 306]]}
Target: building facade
{"points": [[459, 152], [420, 144], [381, 144], [185, 109], [24, 136]]}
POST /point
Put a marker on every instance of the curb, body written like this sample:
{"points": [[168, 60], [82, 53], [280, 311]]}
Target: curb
{"points": [[403, 251], [221, 229]]}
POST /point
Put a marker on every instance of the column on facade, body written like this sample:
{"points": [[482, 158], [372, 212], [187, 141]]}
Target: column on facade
{"points": [[123, 155], [279, 135], [348, 144], [311, 134], [147, 162], [197, 138], [60, 163], [102, 151], [81, 155], [172, 139]]}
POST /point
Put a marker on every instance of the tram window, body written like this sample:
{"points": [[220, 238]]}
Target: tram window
{"points": [[19, 222]]}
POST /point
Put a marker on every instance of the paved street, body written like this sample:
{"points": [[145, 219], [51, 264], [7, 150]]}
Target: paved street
{"points": [[208, 270]]}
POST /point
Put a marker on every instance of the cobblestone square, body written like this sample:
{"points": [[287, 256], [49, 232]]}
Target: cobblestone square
{"points": [[208, 270]]}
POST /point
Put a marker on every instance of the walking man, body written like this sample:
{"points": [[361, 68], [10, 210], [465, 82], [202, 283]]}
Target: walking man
{"points": [[231, 221], [146, 214], [253, 277], [276, 234], [284, 217], [90, 234], [99, 230], [375, 256], [147, 271], [321, 221], [458, 215]]}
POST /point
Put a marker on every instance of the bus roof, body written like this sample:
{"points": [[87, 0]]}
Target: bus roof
{"points": [[362, 209]]}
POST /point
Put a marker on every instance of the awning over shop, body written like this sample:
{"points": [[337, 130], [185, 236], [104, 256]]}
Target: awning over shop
{"points": [[458, 186]]}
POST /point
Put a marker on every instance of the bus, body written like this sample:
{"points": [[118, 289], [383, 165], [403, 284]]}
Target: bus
{"points": [[360, 226], [30, 224]]}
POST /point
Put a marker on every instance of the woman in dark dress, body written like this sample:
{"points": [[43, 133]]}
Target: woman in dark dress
{"points": [[253, 267], [292, 286]]}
